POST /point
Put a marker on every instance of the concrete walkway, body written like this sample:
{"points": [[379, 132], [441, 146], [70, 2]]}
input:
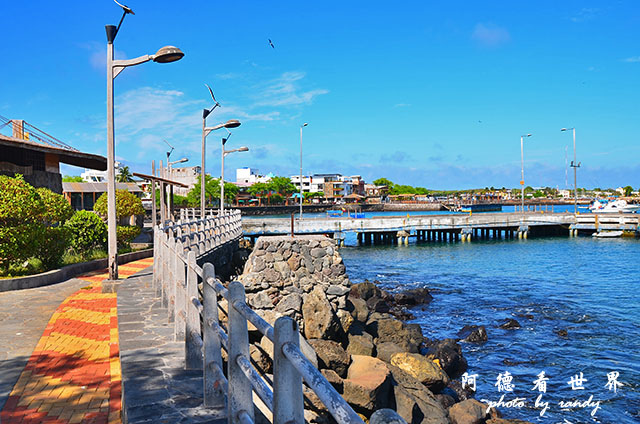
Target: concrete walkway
{"points": [[156, 387], [60, 356]]}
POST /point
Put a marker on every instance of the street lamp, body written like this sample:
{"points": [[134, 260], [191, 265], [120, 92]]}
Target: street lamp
{"points": [[301, 127], [231, 123], [575, 167], [522, 166], [114, 67], [225, 153]]}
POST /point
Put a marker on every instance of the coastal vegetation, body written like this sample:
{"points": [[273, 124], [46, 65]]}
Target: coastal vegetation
{"points": [[39, 230]]}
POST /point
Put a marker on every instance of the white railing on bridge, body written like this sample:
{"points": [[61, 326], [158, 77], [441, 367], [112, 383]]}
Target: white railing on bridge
{"points": [[196, 320]]}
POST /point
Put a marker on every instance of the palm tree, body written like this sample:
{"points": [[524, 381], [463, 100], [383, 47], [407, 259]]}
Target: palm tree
{"points": [[124, 176]]}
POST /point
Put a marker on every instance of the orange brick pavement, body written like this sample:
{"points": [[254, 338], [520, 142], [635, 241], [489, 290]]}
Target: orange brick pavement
{"points": [[73, 374]]}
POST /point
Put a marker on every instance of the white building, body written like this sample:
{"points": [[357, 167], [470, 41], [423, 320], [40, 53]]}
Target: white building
{"points": [[93, 176], [306, 183], [248, 176]]}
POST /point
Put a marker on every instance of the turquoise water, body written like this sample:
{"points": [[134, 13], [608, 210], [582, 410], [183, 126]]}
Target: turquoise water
{"points": [[591, 288]]}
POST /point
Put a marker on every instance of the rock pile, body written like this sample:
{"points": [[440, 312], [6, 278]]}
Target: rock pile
{"points": [[372, 358]]}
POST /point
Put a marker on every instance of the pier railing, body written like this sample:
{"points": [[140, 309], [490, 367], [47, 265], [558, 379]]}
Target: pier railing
{"points": [[197, 322]]}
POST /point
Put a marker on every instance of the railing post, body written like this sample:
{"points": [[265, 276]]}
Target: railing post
{"points": [[288, 404], [156, 257], [171, 279], [240, 392], [180, 316], [214, 395], [164, 275], [192, 349]]}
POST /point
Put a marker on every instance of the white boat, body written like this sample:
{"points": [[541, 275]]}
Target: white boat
{"points": [[607, 234], [617, 206]]}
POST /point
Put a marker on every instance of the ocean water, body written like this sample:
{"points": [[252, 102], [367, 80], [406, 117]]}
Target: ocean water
{"points": [[588, 287]]}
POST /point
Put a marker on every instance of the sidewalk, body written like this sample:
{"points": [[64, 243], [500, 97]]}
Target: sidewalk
{"points": [[73, 373]]}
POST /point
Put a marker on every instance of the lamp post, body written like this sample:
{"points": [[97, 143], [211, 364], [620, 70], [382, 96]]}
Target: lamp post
{"points": [[301, 127], [225, 153], [575, 167], [114, 67], [170, 176], [231, 123], [522, 166]]}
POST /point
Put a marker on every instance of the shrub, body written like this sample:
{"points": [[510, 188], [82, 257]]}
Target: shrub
{"points": [[56, 208], [126, 234], [87, 231], [54, 242], [127, 204], [20, 225]]}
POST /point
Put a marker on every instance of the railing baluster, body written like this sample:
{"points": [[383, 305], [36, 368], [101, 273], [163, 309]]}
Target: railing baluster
{"points": [[240, 398], [171, 286], [180, 316], [288, 406], [193, 352], [213, 393], [164, 277]]}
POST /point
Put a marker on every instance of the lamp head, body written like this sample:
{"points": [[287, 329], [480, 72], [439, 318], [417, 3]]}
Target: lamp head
{"points": [[243, 149], [224, 140], [232, 123], [305, 124], [168, 54]]}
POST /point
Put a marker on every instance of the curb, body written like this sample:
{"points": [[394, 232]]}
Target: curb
{"points": [[67, 272]]}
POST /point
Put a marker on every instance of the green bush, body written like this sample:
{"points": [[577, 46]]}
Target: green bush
{"points": [[54, 242], [87, 231], [31, 224], [56, 208], [126, 234], [127, 204], [20, 225]]}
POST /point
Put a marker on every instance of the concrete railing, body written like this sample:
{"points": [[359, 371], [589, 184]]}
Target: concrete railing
{"points": [[197, 321]]}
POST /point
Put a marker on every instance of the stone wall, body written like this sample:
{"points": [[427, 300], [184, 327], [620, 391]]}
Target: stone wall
{"points": [[283, 273]]}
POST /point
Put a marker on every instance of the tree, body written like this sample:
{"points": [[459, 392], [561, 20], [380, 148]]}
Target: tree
{"points": [[124, 176], [628, 190], [127, 204], [383, 182], [282, 186], [259, 190], [211, 192], [72, 179]]}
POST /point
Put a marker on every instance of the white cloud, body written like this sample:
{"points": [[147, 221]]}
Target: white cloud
{"points": [[285, 91], [633, 59], [585, 14], [98, 55], [490, 35]]}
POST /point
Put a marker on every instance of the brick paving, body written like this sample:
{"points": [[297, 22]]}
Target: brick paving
{"points": [[73, 374]]}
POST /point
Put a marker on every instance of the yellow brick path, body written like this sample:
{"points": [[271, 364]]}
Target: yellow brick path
{"points": [[73, 374]]}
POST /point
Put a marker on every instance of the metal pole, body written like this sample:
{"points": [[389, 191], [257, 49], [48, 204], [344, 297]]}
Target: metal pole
{"points": [[575, 175], [163, 213], [522, 169], [170, 190], [202, 182], [111, 177], [301, 172], [222, 182]]}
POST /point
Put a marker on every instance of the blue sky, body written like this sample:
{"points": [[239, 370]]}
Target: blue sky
{"points": [[435, 95]]}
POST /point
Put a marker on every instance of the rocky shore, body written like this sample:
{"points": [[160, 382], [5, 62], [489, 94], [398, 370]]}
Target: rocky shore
{"points": [[357, 336]]}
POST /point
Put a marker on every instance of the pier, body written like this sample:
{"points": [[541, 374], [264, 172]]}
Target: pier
{"points": [[447, 228]]}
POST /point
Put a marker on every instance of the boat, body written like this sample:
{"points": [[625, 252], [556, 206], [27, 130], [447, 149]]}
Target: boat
{"points": [[607, 234], [617, 206], [335, 213]]}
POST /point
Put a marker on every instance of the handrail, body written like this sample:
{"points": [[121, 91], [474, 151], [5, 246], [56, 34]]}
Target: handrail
{"points": [[197, 322]]}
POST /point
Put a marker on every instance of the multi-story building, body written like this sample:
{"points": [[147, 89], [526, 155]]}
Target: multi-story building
{"points": [[189, 176], [306, 183], [248, 176]]}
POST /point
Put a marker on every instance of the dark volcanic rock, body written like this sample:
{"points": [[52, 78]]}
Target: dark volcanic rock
{"points": [[473, 334], [331, 356], [412, 297], [562, 332], [449, 354], [510, 324], [469, 411], [376, 304], [365, 290]]}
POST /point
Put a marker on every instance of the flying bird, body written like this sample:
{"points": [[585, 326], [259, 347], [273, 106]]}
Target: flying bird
{"points": [[271, 44], [126, 9]]}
